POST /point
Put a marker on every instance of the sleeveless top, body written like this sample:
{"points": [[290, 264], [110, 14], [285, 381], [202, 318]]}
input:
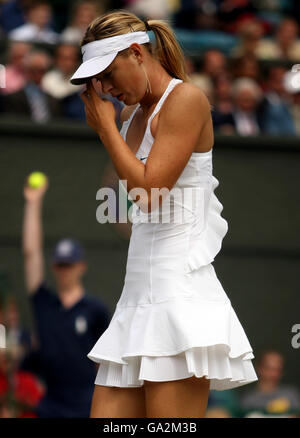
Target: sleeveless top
{"points": [[203, 224]]}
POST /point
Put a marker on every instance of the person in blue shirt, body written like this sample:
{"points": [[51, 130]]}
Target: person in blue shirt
{"points": [[13, 14], [275, 109], [67, 323]]}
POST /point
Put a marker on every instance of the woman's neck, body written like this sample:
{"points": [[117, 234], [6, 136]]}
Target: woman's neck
{"points": [[159, 80]]}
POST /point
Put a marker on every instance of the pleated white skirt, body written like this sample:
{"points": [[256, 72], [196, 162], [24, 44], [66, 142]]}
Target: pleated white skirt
{"points": [[189, 335]]}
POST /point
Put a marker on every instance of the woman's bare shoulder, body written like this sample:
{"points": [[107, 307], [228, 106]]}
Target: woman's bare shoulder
{"points": [[188, 91], [187, 98], [126, 112]]}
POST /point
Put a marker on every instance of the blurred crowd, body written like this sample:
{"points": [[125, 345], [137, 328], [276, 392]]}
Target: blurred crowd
{"points": [[249, 85]]}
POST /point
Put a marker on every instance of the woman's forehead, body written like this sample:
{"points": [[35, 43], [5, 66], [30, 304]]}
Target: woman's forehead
{"points": [[111, 66]]}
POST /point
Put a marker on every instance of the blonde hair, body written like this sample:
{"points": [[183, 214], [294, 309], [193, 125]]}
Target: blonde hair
{"points": [[167, 50]]}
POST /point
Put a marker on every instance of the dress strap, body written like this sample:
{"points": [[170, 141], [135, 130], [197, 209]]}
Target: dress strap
{"points": [[172, 83], [127, 122]]}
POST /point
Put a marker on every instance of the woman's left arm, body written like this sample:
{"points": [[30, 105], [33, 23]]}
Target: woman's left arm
{"points": [[180, 123]]}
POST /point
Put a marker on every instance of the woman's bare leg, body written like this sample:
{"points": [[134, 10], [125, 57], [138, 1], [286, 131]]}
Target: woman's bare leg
{"points": [[114, 402], [186, 398]]}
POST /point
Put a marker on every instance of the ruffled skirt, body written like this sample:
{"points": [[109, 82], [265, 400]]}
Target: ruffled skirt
{"points": [[192, 334]]}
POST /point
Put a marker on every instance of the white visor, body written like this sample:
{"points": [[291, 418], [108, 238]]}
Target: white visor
{"points": [[98, 55]]}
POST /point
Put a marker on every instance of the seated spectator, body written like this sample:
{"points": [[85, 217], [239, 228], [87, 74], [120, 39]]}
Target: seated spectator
{"points": [[250, 32], [36, 29], [286, 44], [214, 63], [15, 77], [202, 81], [20, 391], [223, 93], [246, 95], [83, 13], [31, 101], [12, 14], [270, 397], [244, 118], [56, 82], [247, 66], [222, 117], [275, 110], [18, 340]]}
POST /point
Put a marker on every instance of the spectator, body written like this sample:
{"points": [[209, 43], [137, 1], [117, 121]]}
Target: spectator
{"points": [[83, 13], [12, 14], [250, 32], [214, 64], [36, 29], [57, 81], [223, 93], [287, 38], [243, 117], [15, 76], [247, 67], [202, 81], [20, 391], [285, 46], [247, 96], [18, 340], [271, 397], [222, 114], [68, 323], [31, 101], [275, 113]]}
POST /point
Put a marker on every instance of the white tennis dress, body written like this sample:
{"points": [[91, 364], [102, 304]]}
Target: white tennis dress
{"points": [[173, 319]]}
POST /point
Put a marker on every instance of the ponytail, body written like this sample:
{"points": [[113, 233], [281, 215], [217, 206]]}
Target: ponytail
{"points": [[167, 50]]}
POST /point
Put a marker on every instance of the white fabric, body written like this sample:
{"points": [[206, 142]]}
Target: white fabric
{"points": [[98, 55], [173, 319]]}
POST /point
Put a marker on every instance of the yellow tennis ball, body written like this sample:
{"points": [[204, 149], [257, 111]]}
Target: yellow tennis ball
{"points": [[36, 179]]}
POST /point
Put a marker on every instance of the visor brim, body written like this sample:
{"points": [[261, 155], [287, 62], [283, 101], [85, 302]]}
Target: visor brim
{"points": [[91, 68]]}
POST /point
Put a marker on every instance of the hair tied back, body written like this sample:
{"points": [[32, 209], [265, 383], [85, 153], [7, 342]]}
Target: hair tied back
{"points": [[148, 28]]}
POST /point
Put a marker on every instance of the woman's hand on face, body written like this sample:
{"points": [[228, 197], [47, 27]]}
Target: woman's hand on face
{"points": [[100, 113]]}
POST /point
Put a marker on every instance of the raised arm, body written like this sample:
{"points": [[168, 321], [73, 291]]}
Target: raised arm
{"points": [[181, 119], [32, 238]]}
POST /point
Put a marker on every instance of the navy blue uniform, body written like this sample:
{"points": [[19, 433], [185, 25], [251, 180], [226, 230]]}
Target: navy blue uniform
{"points": [[65, 338]]}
